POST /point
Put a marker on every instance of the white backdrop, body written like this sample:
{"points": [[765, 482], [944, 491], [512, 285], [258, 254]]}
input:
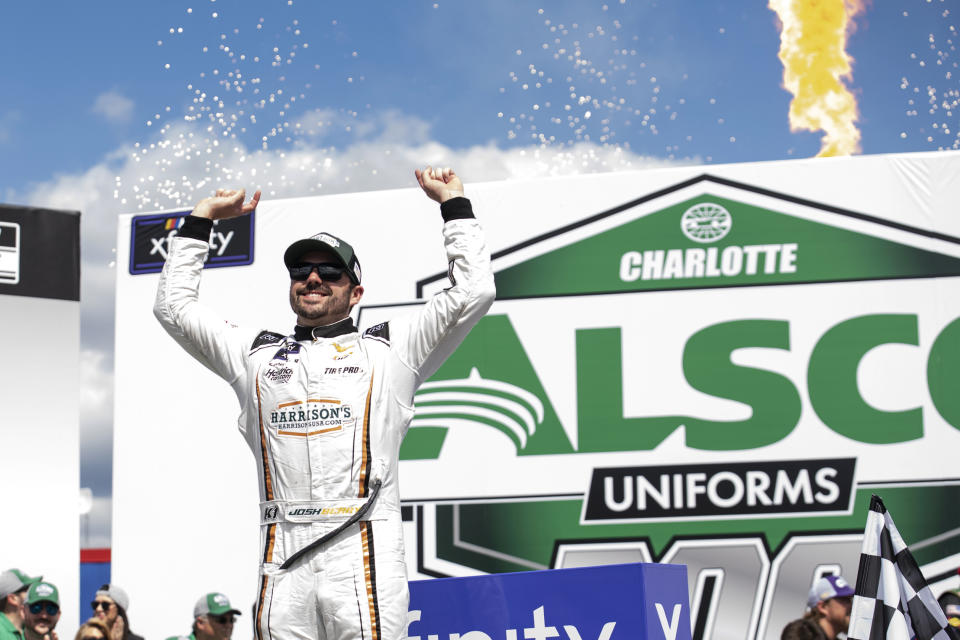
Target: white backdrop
{"points": [[39, 443], [185, 516]]}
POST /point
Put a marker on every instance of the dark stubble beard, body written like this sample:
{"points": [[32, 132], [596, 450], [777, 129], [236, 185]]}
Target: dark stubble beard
{"points": [[334, 307]]}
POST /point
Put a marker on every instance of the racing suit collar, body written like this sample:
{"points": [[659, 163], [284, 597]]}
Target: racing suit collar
{"points": [[339, 328]]}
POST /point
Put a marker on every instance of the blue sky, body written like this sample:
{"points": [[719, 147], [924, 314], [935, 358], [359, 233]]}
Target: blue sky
{"points": [[364, 91], [714, 65]]}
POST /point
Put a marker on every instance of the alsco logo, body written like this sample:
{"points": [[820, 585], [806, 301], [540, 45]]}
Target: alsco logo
{"points": [[231, 241], [709, 317]]}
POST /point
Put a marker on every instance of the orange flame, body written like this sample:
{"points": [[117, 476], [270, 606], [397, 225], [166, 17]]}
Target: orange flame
{"points": [[813, 39]]}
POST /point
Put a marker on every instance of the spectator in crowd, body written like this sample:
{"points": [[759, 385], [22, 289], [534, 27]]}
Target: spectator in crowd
{"points": [[13, 590], [213, 618], [828, 611], [41, 612], [801, 629], [950, 603], [92, 629], [110, 606]]}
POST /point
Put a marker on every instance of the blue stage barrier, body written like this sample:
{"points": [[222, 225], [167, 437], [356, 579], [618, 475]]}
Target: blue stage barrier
{"points": [[612, 602]]}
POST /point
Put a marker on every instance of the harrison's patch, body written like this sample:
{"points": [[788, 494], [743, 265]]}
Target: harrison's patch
{"points": [[311, 417]]}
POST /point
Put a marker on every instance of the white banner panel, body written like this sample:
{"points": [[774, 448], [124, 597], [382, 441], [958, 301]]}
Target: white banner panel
{"points": [[40, 398], [714, 369]]}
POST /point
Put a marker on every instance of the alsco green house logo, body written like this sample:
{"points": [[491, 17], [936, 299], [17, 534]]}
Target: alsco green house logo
{"points": [[708, 317]]}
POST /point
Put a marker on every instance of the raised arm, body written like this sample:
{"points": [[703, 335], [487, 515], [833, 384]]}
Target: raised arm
{"points": [[439, 184], [226, 203], [427, 337], [214, 342]]}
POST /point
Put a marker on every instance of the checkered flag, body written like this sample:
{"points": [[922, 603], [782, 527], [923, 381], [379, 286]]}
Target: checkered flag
{"points": [[893, 601]]}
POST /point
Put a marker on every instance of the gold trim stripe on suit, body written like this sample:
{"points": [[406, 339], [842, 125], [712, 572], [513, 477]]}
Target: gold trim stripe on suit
{"points": [[370, 578], [267, 478], [366, 455]]}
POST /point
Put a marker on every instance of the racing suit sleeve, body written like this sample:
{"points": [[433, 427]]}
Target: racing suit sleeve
{"points": [[217, 344], [426, 338]]}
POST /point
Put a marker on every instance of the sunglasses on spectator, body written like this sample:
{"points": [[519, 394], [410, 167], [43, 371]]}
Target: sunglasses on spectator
{"points": [[92, 636], [223, 619], [37, 607], [325, 271], [101, 604]]}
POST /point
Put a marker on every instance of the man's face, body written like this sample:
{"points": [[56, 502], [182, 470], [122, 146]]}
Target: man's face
{"points": [[105, 610], [837, 612], [215, 627], [41, 617], [14, 600], [318, 302]]}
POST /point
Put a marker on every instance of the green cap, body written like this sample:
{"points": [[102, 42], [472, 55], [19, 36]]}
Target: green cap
{"points": [[43, 592], [13, 580], [215, 603], [330, 243]]}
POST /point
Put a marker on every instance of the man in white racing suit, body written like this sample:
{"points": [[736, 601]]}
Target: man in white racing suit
{"points": [[324, 411]]}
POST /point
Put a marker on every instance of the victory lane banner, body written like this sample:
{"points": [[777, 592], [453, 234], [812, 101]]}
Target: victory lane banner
{"points": [[634, 360], [714, 371], [231, 241]]}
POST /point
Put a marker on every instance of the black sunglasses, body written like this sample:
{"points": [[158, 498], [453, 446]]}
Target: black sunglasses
{"points": [[52, 608], [224, 619], [325, 271], [96, 604]]}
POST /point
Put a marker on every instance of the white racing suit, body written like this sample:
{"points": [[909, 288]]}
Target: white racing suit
{"points": [[324, 412]]}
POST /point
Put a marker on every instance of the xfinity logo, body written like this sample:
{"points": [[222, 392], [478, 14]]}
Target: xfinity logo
{"points": [[540, 630], [218, 243], [231, 241]]}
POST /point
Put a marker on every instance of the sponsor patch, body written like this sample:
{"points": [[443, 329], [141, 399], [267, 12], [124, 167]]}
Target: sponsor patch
{"points": [[279, 374], [379, 331], [312, 417], [341, 371], [266, 337], [287, 349]]}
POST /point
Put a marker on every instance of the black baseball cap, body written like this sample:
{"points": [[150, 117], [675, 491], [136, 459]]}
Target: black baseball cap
{"points": [[324, 241]]}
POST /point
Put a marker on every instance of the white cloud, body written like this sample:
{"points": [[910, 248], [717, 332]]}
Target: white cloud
{"points": [[389, 126], [113, 106], [96, 395]]}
